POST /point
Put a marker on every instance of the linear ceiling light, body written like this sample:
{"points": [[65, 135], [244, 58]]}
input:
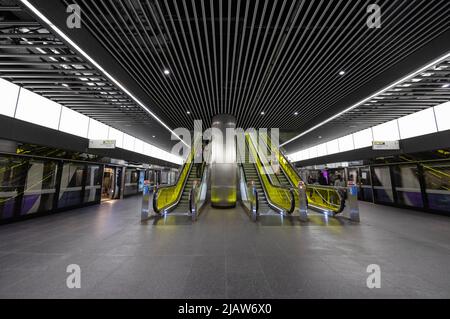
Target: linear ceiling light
{"points": [[94, 63], [409, 76]]}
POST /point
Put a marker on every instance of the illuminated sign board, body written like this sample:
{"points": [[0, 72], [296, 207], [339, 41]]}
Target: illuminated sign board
{"points": [[385, 145], [109, 144]]}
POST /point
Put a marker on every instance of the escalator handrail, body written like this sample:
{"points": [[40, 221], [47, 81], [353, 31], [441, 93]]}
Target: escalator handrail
{"points": [[291, 199], [269, 175], [291, 189], [202, 182], [290, 182], [189, 161], [341, 204], [340, 207], [252, 195], [280, 153]]}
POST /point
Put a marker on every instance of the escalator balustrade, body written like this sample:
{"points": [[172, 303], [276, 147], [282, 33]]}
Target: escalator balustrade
{"points": [[323, 198]]}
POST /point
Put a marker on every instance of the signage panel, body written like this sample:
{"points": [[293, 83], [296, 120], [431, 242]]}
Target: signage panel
{"points": [[385, 145], [109, 144]]}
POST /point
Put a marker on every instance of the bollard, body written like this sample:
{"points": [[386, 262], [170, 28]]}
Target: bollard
{"points": [[352, 203], [193, 201], [145, 210], [253, 200], [302, 201]]}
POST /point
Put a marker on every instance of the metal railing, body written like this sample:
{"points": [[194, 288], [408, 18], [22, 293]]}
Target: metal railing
{"points": [[197, 197], [249, 195]]}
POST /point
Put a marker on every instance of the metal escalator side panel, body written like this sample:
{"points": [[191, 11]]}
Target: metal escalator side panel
{"points": [[325, 198], [277, 197], [169, 196], [322, 198]]}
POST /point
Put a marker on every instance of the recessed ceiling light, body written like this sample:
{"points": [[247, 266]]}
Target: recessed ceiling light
{"points": [[416, 80], [263, 113], [295, 113], [98, 66], [446, 85], [188, 112], [319, 137], [354, 106], [342, 73], [153, 136], [166, 72], [65, 85]]}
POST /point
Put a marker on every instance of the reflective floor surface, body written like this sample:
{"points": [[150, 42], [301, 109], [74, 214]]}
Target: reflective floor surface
{"points": [[225, 255]]}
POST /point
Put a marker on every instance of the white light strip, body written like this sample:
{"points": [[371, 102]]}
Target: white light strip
{"points": [[432, 123], [428, 66], [93, 62]]}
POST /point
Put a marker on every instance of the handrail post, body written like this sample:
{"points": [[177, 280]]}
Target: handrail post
{"points": [[292, 198], [352, 202], [193, 201], [155, 198], [145, 209], [302, 201], [253, 199]]}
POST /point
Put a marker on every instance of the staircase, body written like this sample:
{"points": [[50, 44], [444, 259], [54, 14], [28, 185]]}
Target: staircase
{"points": [[252, 175], [183, 205]]}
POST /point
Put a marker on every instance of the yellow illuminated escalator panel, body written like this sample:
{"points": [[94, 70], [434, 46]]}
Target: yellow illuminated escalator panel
{"points": [[278, 196], [166, 197], [322, 197]]}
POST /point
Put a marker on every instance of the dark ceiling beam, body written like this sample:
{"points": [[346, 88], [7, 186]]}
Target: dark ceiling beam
{"points": [[92, 73], [18, 24], [10, 8], [32, 46], [26, 35], [36, 55]]}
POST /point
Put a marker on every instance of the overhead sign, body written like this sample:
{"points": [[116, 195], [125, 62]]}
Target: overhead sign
{"points": [[109, 144], [385, 145]]}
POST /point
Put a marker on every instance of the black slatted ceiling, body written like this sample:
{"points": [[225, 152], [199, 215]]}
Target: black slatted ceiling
{"points": [[242, 57], [247, 57]]}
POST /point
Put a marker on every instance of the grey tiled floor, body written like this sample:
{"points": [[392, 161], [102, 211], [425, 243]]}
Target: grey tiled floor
{"points": [[225, 255]]}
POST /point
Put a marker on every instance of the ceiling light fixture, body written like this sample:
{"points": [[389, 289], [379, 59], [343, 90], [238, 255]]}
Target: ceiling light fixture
{"points": [[98, 66], [342, 73], [446, 85], [166, 72], [296, 113], [263, 113], [188, 112], [390, 86]]}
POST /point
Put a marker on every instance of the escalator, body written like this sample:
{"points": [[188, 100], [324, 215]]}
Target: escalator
{"points": [[251, 174], [183, 204], [321, 198], [271, 199], [186, 195]]}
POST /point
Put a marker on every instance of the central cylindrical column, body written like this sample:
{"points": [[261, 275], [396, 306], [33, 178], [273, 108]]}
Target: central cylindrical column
{"points": [[223, 161]]}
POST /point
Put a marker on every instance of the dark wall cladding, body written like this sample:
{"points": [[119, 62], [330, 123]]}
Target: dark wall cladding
{"points": [[30, 186]]}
